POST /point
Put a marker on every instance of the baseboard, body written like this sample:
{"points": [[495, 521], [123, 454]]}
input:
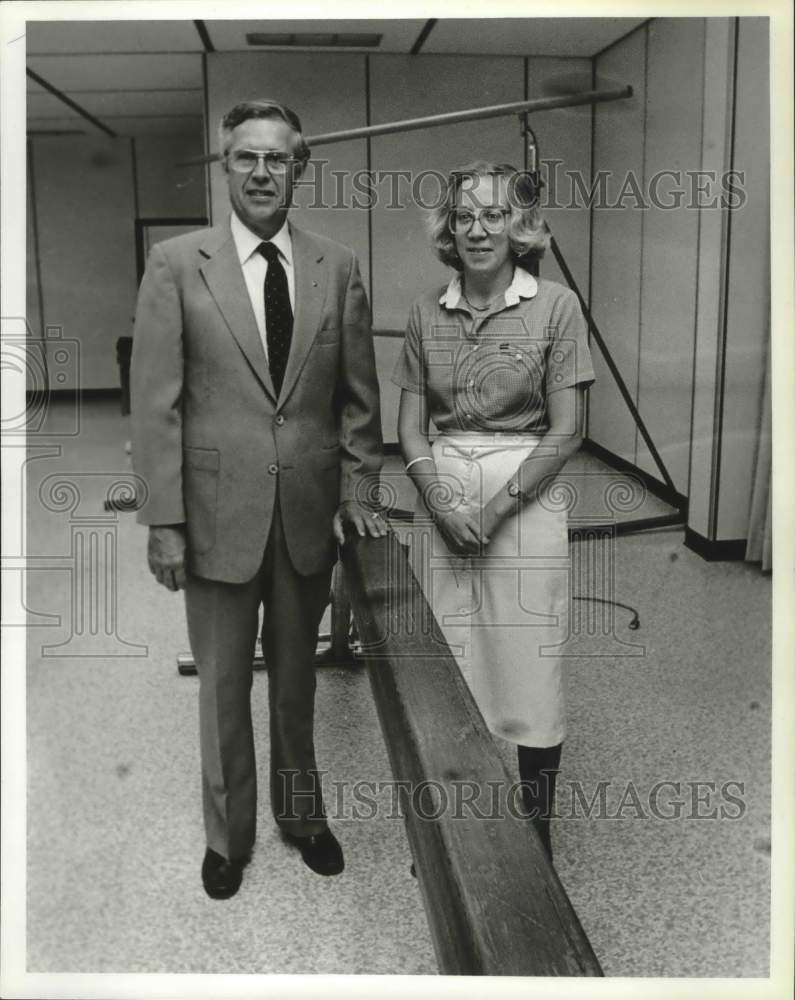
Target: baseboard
{"points": [[70, 394], [724, 550], [655, 486]]}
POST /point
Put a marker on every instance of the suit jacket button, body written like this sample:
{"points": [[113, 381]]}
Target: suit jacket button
{"points": [[273, 468], [279, 420]]}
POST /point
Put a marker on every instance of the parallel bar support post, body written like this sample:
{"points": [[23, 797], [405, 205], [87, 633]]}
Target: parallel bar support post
{"points": [[622, 387]]}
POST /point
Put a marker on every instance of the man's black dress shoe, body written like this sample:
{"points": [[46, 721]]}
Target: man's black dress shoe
{"points": [[321, 852], [221, 877]]}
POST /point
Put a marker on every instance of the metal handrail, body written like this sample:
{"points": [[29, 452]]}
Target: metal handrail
{"points": [[453, 118]]}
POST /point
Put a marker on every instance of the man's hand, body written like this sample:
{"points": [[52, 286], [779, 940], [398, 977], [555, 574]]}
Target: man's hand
{"points": [[366, 522], [461, 532], [166, 555]]}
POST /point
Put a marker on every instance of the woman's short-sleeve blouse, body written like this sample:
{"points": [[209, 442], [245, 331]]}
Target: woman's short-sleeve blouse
{"points": [[495, 371]]}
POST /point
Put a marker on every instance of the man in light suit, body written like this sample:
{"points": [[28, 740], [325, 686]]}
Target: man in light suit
{"points": [[256, 428]]}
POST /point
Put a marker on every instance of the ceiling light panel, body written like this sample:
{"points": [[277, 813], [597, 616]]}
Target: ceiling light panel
{"points": [[396, 36], [308, 40]]}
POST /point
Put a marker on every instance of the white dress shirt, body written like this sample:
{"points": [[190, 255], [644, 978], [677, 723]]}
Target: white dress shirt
{"points": [[255, 267]]}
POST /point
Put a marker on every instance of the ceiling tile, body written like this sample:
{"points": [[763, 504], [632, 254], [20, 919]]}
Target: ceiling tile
{"points": [[158, 126], [133, 105], [530, 36], [147, 75], [60, 126], [44, 105], [543, 36], [112, 36], [127, 126], [120, 72]]}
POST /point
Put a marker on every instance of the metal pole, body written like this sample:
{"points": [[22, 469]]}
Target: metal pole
{"points": [[454, 117], [622, 386], [475, 114]]}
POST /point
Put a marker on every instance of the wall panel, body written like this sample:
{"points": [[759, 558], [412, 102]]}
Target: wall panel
{"points": [[564, 134], [712, 247], [166, 190], [387, 351], [84, 190], [34, 375], [411, 87], [33, 291], [327, 91], [617, 246], [401, 87], [670, 242], [748, 288]]}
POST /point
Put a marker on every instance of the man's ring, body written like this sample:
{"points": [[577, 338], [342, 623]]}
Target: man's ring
{"points": [[374, 514]]}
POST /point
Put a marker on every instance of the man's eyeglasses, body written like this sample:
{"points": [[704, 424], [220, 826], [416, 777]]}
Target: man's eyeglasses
{"points": [[491, 219], [243, 161]]}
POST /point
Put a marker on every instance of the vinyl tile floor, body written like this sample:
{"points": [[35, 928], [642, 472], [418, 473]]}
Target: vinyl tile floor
{"points": [[668, 748]]}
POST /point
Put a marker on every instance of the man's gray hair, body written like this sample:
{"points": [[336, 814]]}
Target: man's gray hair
{"points": [[266, 108]]}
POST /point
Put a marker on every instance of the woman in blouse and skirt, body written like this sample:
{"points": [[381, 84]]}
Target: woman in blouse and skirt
{"points": [[499, 361]]}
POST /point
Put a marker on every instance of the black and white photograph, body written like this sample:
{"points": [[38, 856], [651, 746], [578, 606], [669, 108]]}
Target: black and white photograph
{"points": [[397, 543]]}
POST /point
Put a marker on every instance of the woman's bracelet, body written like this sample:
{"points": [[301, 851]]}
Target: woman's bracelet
{"points": [[422, 458]]}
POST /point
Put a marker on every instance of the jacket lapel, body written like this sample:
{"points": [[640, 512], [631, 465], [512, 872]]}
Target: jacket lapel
{"points": [[224, 277], [310, 292]]}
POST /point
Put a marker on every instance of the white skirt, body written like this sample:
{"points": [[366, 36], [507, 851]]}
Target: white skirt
{"points": [[504, 613]]}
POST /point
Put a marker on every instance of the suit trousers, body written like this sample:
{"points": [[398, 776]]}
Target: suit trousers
{"points": [[222, 626]]}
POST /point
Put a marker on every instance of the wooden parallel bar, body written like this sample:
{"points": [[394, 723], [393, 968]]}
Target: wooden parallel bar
{"points": [[495, 905], [577, 532]]}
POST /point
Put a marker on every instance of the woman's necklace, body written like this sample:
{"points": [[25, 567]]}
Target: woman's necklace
{"points": [[481, 309]]}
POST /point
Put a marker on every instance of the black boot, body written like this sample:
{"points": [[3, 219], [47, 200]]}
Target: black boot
{"points": [[538, 769]]}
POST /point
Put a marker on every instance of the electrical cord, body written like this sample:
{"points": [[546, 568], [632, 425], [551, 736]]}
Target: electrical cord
{"points": [[634, 623]]}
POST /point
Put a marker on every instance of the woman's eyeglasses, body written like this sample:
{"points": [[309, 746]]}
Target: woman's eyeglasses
{"points": [[491, 219], [243, 161]]}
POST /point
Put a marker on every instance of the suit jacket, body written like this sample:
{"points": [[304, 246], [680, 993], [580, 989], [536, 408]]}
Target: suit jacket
{"points": [[211, 440]]}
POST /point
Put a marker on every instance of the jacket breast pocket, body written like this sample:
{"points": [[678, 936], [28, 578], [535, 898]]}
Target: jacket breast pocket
{"points": [[200, 472]]}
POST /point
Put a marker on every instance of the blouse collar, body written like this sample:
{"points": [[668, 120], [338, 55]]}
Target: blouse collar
{"points": [[523, 286]]}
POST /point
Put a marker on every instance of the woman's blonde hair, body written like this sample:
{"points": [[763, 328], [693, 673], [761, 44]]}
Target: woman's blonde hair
{"points": [[526, 231]]}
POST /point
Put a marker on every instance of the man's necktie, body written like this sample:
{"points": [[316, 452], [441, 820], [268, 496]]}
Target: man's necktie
{"points": [[278, 315]]}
